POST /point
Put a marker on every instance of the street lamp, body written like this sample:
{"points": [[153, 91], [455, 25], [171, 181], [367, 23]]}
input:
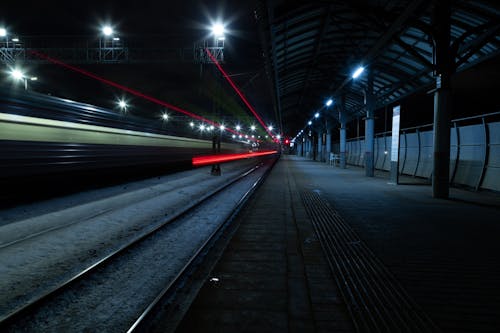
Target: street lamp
{"points": [[218, 31], [107, 30], [19, 75], [252, 127], [122, 104]]}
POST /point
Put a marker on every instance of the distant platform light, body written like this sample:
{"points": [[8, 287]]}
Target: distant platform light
{"points": [[278, 136], [222, 127], [202, 127], [270, 127], [17, 74], [33, 78], [116, 39], [329, 102], [252, 127], [238, 127], [234, 136], [191, 124], [211, 127], [316, 115], [107, 30], [309, 122], [165, 116], [122, 104], [358, 72], [3, 32], [15, 40]]}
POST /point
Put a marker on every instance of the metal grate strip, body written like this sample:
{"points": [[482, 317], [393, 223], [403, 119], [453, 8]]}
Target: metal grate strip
{"points": [[376, 300]]}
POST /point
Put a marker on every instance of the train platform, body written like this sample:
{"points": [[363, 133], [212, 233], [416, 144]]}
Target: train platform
{"points": [[325, 249]]}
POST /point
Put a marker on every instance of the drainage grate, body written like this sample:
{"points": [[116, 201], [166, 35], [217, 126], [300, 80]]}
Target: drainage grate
{"points": [[375, 299]]}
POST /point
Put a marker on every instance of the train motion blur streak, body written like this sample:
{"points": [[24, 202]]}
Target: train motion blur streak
{"points": [[42, 135]]}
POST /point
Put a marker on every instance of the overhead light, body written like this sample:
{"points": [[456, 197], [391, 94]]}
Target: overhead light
{"points": [[122, 104], [316, 115], [358, 72], [3, 32], [329, 102], [218, 30], [17, 74], [107, 30], [165, 116], [270, 127], [15, 40]]}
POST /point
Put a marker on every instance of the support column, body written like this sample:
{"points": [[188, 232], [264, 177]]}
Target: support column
{"points": [[320, 146], [328, 147], [369, 127], [343, 134], [444, 65], [216, 171], [313, 146], [309, 153]]}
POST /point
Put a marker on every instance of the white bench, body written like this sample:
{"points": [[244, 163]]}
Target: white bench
{"points": [[334, 159]]}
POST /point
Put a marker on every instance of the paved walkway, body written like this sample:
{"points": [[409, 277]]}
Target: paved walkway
{"points": [[443, 252]]}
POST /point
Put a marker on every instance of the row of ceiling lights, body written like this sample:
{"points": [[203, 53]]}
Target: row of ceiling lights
{"points": [[329, 102]]}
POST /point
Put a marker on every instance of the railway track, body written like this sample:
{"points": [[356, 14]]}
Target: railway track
{"points": [[124, 290]]}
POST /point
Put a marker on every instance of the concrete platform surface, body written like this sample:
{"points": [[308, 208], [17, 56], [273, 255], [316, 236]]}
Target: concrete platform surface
{"points": [[274, 276]]}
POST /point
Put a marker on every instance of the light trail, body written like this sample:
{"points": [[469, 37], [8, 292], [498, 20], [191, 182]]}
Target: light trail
{"points": [[237, 90], [221, 158]]}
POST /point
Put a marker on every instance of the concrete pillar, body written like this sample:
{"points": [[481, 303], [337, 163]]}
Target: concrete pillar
{"points": [[444, 64], [320, 146], [343, 134], [370, 127], [309, 145], [328, 146]]}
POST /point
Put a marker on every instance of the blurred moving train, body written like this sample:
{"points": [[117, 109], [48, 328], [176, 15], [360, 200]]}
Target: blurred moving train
{"points": [[42, 135]]}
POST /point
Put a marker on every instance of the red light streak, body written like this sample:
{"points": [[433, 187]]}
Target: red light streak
{"points": [[221, 158], [243, 98], [130, 90]]}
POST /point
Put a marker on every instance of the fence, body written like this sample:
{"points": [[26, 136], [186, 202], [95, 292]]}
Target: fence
{"points": [[474, 151]]}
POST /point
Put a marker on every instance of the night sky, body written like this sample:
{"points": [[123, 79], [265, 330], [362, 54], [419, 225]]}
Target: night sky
{"points": [[171, 24]]}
